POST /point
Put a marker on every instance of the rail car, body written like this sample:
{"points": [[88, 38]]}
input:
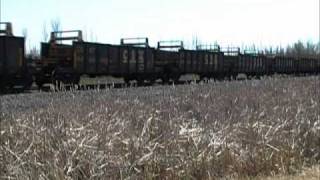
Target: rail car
{"points": [[56, 60], [128, 61], [14, 73]]}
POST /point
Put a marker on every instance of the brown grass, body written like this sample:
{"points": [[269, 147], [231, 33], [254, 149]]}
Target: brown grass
{"points": [[219, 130], [307, 174]]}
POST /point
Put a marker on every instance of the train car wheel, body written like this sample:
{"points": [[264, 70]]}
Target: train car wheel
{"points": [[152, 81], [27, 81], [176, 78], [76, 79], [165, 80], [127, 80], [140, 81]]}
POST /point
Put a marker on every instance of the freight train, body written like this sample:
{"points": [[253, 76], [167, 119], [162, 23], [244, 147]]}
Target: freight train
{"points": [[134, 60]]}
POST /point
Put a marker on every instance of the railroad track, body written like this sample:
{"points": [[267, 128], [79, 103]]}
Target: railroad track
{"points": [[99, 86]]}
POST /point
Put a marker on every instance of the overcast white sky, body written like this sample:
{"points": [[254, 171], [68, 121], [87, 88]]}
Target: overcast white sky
{"points": [[228, 22]]}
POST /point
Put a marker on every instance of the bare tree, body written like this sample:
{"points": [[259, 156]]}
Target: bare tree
{"points": [[45, 34], [56, 25], [25, 33], [303, 49], [318, 48], [93, 36], [85, 34], [34, 53], [195, 41]]}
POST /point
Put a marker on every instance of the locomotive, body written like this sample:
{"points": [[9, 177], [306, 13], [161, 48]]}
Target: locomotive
{"points": [[62, 62]]}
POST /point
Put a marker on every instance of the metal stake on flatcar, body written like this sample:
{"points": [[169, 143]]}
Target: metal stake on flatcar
{"points": [[56, 36], [7, 30], [170, 45], [138, 42], [210, 47]]}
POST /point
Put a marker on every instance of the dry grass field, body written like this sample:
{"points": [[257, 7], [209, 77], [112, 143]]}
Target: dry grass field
{"points": [[220, 130], [306, 174]]}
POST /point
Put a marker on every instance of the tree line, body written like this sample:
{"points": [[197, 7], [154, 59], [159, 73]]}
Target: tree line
{"points": [[297, 49]]}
